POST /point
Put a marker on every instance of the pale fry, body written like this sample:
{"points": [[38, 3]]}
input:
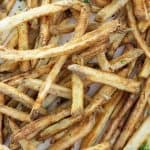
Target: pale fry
{"points": [[77, 107], [55, 89], [10, 22], [14, 113], [110, 9], [23, 44], [68, 48], [106, 78]]}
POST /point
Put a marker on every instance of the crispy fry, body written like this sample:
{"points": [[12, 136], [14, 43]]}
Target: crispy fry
{"points": [[143, 25], [24, 143], [101, 146], [110, 9], [101, 3], [101, 121], [76, 45], [39, 124], [126, 58], [139, 136], [74, 134], [132, 23], [115, 121], [77, 107], [1, 118], [140, 9], [23, 44], [54, 90], [53, 8], [106, 78], [14, 113], [134, 117], [81, 28]]}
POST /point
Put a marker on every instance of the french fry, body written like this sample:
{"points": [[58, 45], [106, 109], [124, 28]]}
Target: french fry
{"points": [[126, 58], [54, 90], [134, 117], [23, 44], [110, 9], [132, 24], [101, 3], [77, 107], [106, 78], [103, 62], [115, 121], [39, 124], [139, 136], [101, 121], [10, 22], [14, 113], [143, 25], [1, 118], [24, 143], [101, 146], [81, 27], [140, 9], [74, 134], [76, 45]]}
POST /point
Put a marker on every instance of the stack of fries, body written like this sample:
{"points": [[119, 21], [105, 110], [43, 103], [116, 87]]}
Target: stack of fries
{"points": [[76, 73]]}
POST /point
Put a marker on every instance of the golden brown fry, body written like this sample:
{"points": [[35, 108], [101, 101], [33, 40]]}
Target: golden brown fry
{"points": [[134, 117], [1, 118], [143, 25], [40, 124], [132, 24], [126, 58], [101, 121], [140, 9], [110, 9], [77, 107], [106, 78], [23, 44], [14, 113], [145, 72], [80, 29], [117, 119], [139, 136], [101, 3], [74, 134], [24, 143], [68, 48], [101, 146]]}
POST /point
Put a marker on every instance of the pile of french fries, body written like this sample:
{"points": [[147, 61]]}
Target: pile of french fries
{"points": [[75, 73]]}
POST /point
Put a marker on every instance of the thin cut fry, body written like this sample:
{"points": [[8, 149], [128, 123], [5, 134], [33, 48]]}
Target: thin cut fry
{"points": [[139, 136], [132, 23], [106, 78], [143, 25], [26, 145], [1, 118], [54, 90], [77, 107], [134, 117], [23, 44], [110, 9], [39, 124], [10, 22], [68, 48], [14, 113], [74, 134], [101, 146]]}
